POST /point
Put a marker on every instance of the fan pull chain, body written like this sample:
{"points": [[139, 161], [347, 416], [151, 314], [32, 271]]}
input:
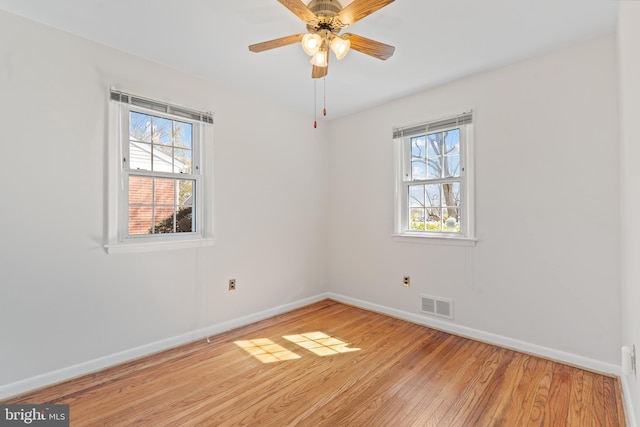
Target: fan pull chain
{"points": [[324, 101], [315, 105]]}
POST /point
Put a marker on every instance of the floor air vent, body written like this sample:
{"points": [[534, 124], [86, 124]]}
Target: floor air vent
{"points": [[442, 307]]}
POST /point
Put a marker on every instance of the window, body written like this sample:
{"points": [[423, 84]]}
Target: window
{"points": [[434, 179], [158, 166]]}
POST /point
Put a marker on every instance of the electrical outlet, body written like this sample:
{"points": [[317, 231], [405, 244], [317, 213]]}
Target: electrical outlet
{"points": [[232, 284], [406, 281]]}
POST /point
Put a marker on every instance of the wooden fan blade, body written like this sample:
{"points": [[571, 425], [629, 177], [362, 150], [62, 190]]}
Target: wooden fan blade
{"points": [[272, 44], [299, 9], [319, 72], [369, 47], [359, 9]]}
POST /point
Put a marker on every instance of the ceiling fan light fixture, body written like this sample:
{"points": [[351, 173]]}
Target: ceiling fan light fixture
{"points": [[324, 20], [320, 58], [340, 47], [311, 43]]}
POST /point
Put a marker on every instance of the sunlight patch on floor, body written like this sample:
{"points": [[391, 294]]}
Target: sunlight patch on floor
{"points": [[320, 343], [266, 350]]}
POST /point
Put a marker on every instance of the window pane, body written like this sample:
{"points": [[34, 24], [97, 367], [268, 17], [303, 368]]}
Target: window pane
{"points": [[162, 131], [434, 169], [452, 142], [452, 166], [417, 220], [165, 151], [140, 220], [418, 147], [140, 190], [433, 195], [184, 219], [417, 214], [434, 148], [182, 135], [182, 161], [162, 158], [139, 156], [164, 191], [416, 196], [164, 219], [185, 192], [418, 170], [451, 194], [451, 214], [433, 219], [139, 127], [456, 192], [450, 224]]}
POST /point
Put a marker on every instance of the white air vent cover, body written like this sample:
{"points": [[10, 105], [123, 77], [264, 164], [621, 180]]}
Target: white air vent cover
{"points": [[437, 306]]}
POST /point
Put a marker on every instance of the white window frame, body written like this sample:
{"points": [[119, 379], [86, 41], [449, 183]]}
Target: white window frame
{"points": [[118, 239], [402, 156]]}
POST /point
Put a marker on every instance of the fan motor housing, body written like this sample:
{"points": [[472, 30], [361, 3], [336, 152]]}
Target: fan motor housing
{"points": [[326, 12], [325, 8]]}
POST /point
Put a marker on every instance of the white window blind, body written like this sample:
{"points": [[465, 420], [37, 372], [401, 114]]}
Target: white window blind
{"points": [[151, 104], [432, 126]]}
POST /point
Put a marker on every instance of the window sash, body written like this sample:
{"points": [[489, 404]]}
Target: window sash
{"points": [[406, 228], [154, 205], [124, 210]]}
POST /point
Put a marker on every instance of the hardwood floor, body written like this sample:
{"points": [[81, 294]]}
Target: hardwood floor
{"points": [[329, 364]]}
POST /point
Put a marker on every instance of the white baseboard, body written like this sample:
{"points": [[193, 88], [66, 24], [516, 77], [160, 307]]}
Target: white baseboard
{"points": [[64, 374], [488, 337], [628, 403]]}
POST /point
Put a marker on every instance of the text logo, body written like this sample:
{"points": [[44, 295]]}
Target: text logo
{"points": [[34, 415]]}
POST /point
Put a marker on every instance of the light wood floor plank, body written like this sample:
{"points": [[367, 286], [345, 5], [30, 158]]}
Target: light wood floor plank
{"points": [[599, 401], [372, 403], [381, 371], [498, 396], [454, 378], [541, 396], [377, 385], [588, 417], [475, 384], [576, 404], [557, 408]]}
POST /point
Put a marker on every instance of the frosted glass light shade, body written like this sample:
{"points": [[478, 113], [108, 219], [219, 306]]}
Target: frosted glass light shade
{"points": [[320, 58], [340, 47], [311, 43]]}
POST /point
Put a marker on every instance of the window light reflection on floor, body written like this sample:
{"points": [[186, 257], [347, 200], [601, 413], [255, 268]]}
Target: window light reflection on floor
{"points": [[266, 350], [320, 343]]}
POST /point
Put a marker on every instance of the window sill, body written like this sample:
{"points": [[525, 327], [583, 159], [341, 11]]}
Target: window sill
{"points": [[438, 240], [137, 247]]}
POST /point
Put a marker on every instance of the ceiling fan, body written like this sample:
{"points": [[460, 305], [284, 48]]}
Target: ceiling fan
{"points": [[325, 19]]}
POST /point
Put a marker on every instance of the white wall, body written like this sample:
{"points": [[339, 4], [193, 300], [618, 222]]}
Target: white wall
{"points": [[629, 65], [63, 300], [546, 267]]}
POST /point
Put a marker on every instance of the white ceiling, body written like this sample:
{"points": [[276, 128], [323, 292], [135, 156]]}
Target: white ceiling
{"points": [[436, 41]]}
